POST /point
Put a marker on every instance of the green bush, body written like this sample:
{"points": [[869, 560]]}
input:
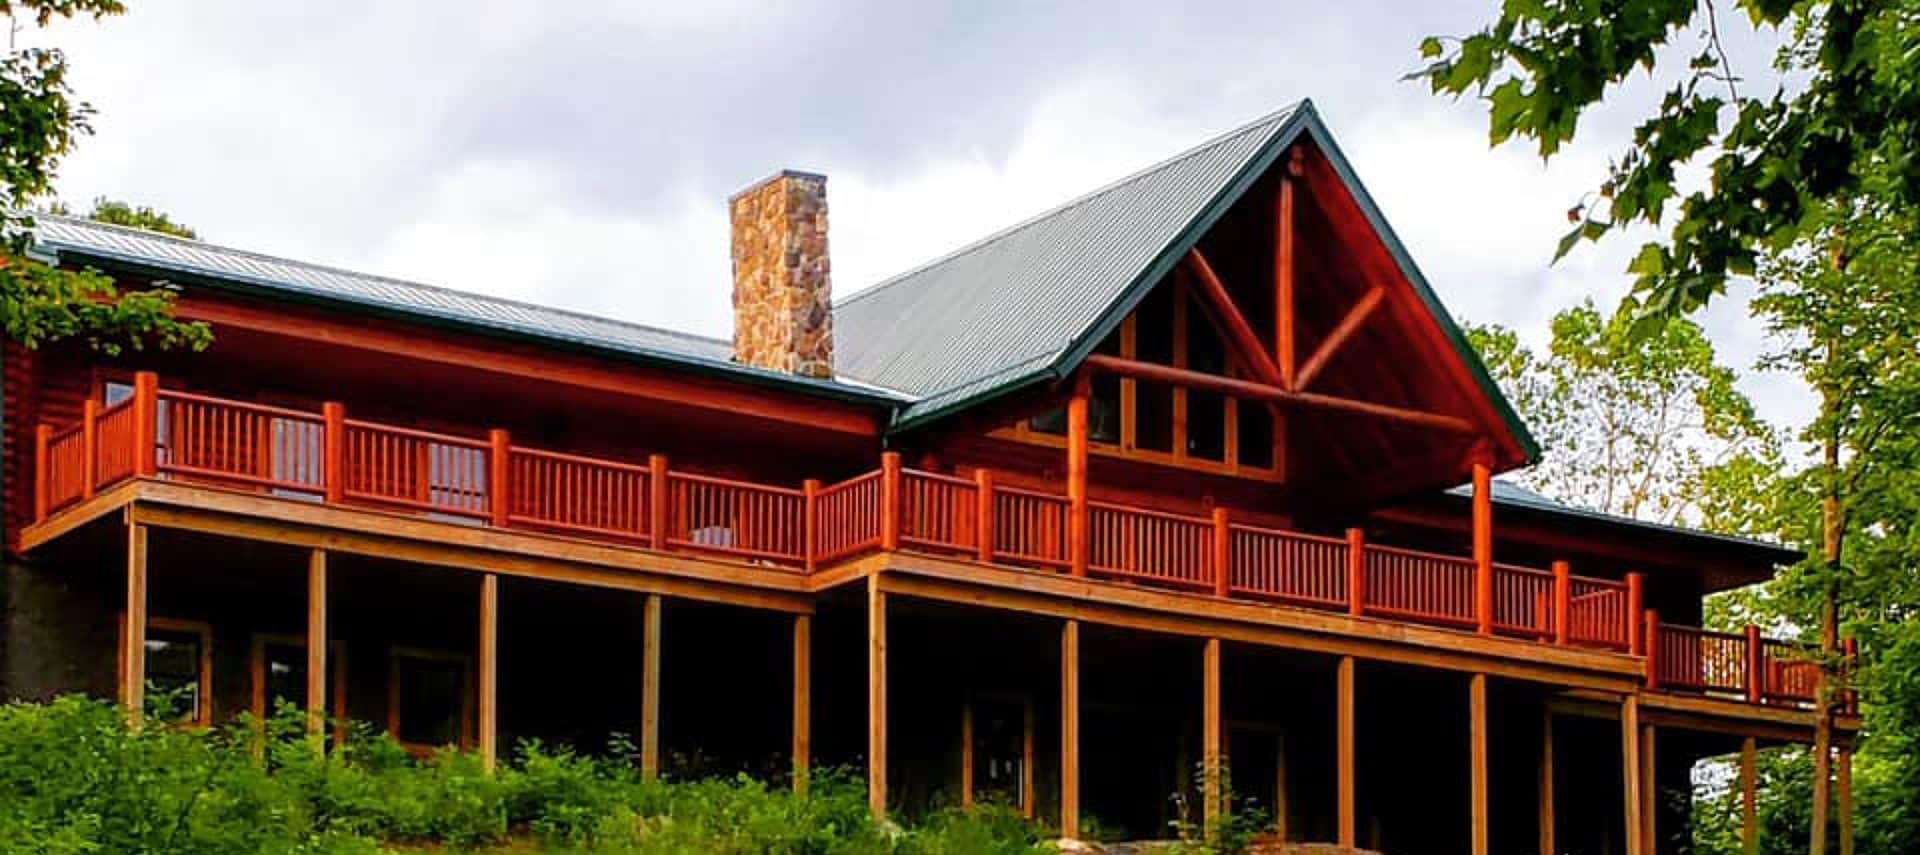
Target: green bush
{"points": [[75, 779]]}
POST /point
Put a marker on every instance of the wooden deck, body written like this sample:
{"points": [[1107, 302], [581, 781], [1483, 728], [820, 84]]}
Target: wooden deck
{"points": [[325, 480]]}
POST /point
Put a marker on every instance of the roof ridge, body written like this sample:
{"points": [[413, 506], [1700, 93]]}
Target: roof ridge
{"points": [[81, 222], [1075, 202]]}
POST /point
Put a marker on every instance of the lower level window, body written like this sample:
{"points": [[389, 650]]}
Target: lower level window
{"points": [[430, 698], [179, 658]]}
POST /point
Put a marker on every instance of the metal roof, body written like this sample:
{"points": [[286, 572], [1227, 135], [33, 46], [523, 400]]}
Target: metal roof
{"points": [[1007, 307], [1516, 497], [165, 256]]}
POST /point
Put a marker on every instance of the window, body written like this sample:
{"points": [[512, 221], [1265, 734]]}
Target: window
{"points": [[430, 698], [179, 668], [280, 674]]}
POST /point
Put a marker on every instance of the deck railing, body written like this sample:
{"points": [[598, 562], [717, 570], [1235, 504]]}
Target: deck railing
{"points": [[488, 480]]}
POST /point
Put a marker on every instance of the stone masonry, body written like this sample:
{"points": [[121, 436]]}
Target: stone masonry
{"points": [[782, 287]]}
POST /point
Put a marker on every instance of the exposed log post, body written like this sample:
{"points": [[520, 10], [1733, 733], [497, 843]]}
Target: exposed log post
{"points": [[890, 500], [499, 502], [1636, 607], [333, 452], [966, 755], [1755, 676], [1070, 729], [1822, 770], [42, 435], [1344, 751], [1029, 757], [1213, 807], [1630, 773], [983, 532], [89, 446], [657, 501], [133, 637], [146, 423], [1280, 800], [489, 666], [1562, 603], [1222, 553], [316, 643], [1652, 648], [1284, 347], [1483, 547], [1477, 753], [876, 698], [1649, 791], [650, 688], [1356, 571], [802, 702], [1545, 787], [1749, 796], [1077, 545], [1843, 783], [810, 535]]}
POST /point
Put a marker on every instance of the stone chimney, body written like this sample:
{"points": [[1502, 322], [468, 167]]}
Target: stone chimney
{"points": [[782, 290]]}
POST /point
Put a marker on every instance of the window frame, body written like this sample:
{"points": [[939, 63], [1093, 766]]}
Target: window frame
{"points": [[202, 717], [336, 675], [467, 724]]}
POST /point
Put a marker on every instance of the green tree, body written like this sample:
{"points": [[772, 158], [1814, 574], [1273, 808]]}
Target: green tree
{"points": [[116, 212], [1652, 429], [42, 121], [1840, 103]]}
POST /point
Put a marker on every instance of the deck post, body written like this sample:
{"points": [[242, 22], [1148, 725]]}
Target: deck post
{"points": [[810, 521], [1070, 729], [1630, 772], [1636, 605], [889, 500], [983, 532], [1280, 800], [89, 446], [1077, 545], [802, 702], [657, 501], [499, 502], [1477, 749], [1483, 547], [333, 451], [966, 754], [1356, 571], [316, 644], [1029, 755], [488, 661], [42, 434], [1651, 647], [133, 636], [1212, 808], [1649, 791], [1843, 784], [1749, 796], [1755, 676], [146, 423], [1562, 603], [1222, 553], [1822, 774], [650, 689], [1344, 751], [877, 695], [1545, 788]]}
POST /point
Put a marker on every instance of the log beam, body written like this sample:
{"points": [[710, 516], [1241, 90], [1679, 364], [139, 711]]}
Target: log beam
{"points": [[1250, 390], [489, 667], [650, 688], [1242, 342], [1349, 324]]}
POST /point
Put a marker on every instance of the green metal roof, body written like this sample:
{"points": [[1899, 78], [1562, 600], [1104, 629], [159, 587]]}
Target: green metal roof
{"points": [[1516, 497]]}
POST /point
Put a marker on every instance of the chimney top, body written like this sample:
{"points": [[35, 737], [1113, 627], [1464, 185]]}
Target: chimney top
{"points": [[782, 283]]}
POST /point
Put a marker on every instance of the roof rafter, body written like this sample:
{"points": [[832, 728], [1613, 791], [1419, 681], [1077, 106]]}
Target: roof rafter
{"points": [[1257, 391], [1355, 317], [1233, 326]]}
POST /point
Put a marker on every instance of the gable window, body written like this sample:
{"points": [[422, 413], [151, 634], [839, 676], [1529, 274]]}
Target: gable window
{"points": [[430, 699]]}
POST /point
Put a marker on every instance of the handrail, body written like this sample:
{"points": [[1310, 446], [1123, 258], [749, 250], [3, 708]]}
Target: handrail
{"points": [[493, 482]]}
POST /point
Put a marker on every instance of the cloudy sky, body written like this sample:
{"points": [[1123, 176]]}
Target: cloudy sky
{"points": [[580, 153]]}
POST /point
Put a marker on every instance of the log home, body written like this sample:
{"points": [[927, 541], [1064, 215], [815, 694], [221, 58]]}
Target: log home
{"points": [[1167, 479]]}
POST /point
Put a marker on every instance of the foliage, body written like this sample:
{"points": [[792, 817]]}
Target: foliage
{"points": [[116, 212], [38, 302], [75, 779], [1235, 830], [1650, 429], [1841, 104]]}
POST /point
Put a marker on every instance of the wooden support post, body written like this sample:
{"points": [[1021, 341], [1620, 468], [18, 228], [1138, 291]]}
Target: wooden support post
{"points": [[1630, 773], [1636, 606], [1284, 349], [1212, 808], [650, 688], [133, 653], [1029, 756], [1755, 676], [1649, 791], [316, 643], [802, 702], [1652, 648], [1749, 796], [1483, 547], [42, 434], [1222, 553], [877, 695], [966, 755], [983, 532], [333, 451], [489, 665], [1545, 787], [1356, 571], [657, 518], [1822, 773], [1344, 751], [499, 500], [89, 447], [810, 524], [146, 423], [1843, 784], [1562, 603], [1477, 752], [1280, 800], [890, 500], [1077, 478], [1070, 730]]}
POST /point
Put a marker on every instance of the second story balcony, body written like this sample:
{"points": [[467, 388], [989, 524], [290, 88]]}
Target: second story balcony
{"points": [[806, 530]]}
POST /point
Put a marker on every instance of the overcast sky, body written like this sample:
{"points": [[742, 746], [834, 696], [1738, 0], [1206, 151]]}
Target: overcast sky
{"points": [[580, 154]]}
